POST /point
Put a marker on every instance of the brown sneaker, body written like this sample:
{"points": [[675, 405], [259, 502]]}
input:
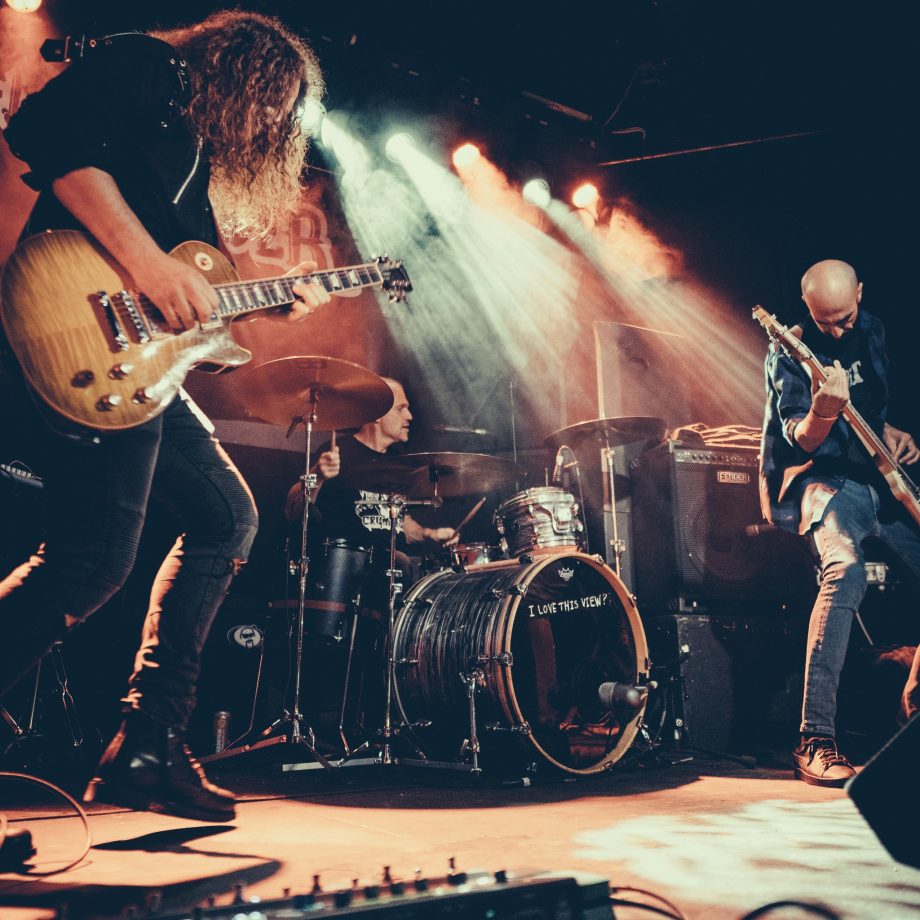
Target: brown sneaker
{"points": [[819, 763]]}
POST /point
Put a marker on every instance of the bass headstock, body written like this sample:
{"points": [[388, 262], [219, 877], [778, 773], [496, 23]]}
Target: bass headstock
{"points": [[782, 335]]}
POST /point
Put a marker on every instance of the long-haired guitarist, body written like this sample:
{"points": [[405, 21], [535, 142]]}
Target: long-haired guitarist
{"points": [[819, 479], [146, 142]]}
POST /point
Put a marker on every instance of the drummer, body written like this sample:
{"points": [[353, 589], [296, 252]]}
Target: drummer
{"points": [[354, 514]]}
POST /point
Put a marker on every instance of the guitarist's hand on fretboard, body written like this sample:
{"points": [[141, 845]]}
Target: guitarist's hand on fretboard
{"points": [[178, 291], [901, 444], [311, 295], [831, 395]]}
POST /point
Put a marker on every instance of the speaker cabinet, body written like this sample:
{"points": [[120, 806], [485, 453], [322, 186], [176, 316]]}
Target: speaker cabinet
{"points": [[886, 795], [736, 681], [699, 537]]}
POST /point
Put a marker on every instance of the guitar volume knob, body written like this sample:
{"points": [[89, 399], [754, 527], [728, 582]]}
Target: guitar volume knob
{"points": [[120, 371], [143, 395], [108, 402]]}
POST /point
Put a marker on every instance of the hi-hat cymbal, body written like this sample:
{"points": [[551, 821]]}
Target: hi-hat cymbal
{"points": [[346, 395], [442, 473], [614, 432]]}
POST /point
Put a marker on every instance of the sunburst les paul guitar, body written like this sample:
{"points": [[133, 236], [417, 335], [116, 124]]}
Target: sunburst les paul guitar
{"points": [[101, 354], [901, 485]]}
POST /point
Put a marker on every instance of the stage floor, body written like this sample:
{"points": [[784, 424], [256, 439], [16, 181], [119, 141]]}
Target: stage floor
{"points": [[716, 839]]}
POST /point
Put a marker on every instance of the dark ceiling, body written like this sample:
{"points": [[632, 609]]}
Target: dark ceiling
{"points": [[601, 81]]}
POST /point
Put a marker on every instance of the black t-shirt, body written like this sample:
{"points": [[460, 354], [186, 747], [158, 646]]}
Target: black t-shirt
{"points": [[867, 393], [348, 513], [119, 109]]}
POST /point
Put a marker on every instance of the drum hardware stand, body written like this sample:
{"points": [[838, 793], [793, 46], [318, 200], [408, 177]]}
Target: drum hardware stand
{"points": [[514, 454], [396, 505], [299, 734], [610, 500], [355, 606], [22, 735], [681, 749], [473, 680], [559, 476]]}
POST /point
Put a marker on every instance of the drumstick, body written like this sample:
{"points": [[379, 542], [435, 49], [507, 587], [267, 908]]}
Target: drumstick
{"points": [[469, 517], [332, 444]]}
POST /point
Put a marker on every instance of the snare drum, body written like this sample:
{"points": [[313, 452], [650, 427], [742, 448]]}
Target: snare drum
{"points": [[467, 554], [536, 641], [540, 520]]}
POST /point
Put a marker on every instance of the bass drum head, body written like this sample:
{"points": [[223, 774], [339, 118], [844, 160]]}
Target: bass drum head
{"points": [[543, 637]]}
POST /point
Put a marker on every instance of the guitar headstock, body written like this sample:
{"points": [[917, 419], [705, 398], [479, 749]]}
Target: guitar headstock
{"points": [[782, 336], [395, 278]]}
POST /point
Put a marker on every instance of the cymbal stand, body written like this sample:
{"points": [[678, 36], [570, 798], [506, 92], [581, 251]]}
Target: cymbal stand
{"points": [[307, 489], [610, 501], [298, 732]]}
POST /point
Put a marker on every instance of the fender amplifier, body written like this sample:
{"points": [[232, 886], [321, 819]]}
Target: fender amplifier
{"points": [[699, 537]]}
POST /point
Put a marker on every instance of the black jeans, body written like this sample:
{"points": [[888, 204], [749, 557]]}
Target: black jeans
{"points": [[97, 498]]}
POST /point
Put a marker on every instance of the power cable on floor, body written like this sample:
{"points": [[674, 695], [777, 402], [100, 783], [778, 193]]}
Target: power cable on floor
{"points": [[669, 910], [77, 807]]}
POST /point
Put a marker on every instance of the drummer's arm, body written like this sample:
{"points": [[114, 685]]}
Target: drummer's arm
{"points": [[416, 533]]}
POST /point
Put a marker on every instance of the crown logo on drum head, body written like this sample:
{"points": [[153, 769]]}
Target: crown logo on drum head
{"points": [[566, 574]]}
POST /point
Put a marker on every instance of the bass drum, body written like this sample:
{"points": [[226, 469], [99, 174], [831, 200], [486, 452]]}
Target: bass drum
{"points": [[536, 640]]}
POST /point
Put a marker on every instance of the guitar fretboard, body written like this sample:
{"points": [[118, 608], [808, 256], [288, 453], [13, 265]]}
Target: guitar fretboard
{"points": [[245, 296]]}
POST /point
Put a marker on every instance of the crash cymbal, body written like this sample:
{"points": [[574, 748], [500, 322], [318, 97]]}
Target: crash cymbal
{"points": [[346, 394], [442, 473], [612, 431]]}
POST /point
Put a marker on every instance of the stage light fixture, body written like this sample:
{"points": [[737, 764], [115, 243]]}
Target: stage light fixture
{"points": [[536, 192], [465, 156], [399, 145], [311, 118], [24, 6], [586, 196]]}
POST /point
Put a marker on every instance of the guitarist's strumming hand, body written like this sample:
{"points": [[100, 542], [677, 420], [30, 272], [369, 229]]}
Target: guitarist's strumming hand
{"points": [[179, 292], [901, 444]]}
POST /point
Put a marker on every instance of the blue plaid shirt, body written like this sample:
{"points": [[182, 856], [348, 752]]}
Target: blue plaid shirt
{"points": [[792, 496]]}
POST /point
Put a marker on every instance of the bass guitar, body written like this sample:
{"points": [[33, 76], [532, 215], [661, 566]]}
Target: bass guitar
{"points": [[901, 485]]}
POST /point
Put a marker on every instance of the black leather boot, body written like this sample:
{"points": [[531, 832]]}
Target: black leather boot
{"points": [[149, 766]]}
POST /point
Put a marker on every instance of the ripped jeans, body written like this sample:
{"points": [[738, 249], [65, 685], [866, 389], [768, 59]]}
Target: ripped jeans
{"points": [[97, 496], [851, 516]]}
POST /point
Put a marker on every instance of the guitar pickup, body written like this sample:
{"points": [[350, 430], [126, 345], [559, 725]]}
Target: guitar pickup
{"points": [[115, 327], [134, 314]]}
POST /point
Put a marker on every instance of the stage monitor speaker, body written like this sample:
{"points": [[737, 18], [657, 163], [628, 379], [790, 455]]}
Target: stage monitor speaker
{"points": [[699, 538], [885, 793], [738, 680]]}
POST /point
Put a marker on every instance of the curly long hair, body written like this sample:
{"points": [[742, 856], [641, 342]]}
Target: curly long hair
{"points": [[247, 70]]}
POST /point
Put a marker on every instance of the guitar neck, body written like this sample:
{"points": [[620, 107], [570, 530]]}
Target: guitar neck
{"points": [[239, 297]]}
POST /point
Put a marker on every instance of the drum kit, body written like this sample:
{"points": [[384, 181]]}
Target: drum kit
{"points": [[492, 661]]}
